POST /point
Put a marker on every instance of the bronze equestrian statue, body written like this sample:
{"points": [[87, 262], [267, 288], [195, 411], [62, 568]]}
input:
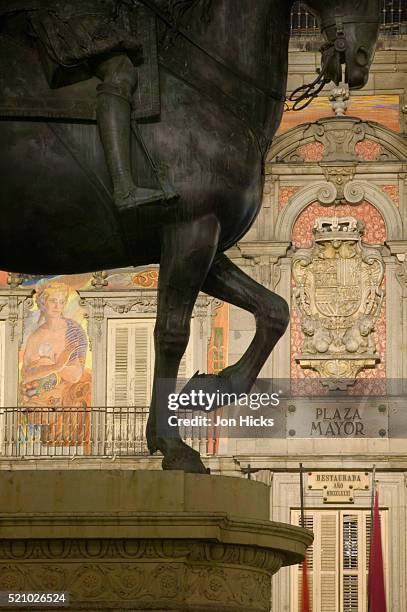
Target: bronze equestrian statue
{"points": [[135, 132]]}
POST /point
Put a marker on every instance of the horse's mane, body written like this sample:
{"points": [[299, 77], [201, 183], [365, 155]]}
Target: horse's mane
{"points": [[179, 9]]}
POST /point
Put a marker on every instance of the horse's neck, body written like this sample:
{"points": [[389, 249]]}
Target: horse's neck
{"points": [[252, 37]]}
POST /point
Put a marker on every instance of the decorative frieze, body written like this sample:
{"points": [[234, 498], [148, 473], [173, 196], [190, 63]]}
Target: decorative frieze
{"points": [[337, 140]]}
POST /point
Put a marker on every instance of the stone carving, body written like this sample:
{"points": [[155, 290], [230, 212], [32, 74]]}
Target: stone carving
{"points": [[99, 280], [95, 317], [138, 304], [354, 192], [339, 297], [339, 138], [327, 194], [401, 273], [339, 98], [340, 187], [14, 279], [113, 574], [130, 549]]}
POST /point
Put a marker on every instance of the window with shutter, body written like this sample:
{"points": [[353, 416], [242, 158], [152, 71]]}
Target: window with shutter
{"points": [[130, 370], [338, 561], [130, 361]]}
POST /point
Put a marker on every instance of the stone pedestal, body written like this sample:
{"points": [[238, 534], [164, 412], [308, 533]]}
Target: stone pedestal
{"points": [[143, 540]]}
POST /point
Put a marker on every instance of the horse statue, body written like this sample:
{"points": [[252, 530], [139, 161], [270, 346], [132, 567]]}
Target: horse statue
{"points": [[197, 156]]}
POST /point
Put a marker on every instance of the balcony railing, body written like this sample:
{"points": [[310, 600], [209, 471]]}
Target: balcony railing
{"points": [[393, 18], [64, 432]]}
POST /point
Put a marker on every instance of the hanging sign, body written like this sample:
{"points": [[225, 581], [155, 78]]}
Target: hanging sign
{"points": [[338, 487]]}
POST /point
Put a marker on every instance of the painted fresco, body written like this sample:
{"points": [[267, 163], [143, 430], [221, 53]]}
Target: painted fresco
{"points": [[55, 368], [111, 280], [117, 280], [384, 109]]}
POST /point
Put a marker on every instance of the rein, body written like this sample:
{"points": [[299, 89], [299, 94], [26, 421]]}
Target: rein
{"points": [[305, 94]]}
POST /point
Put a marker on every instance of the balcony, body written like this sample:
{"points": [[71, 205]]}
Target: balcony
{"points": [[65, 432], [393, 19]]}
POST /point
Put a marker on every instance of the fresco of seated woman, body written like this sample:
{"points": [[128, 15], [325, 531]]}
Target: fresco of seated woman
{"points": [[53, 372]]}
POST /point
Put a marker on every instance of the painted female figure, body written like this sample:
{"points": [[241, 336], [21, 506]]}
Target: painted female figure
{"points": [[53, 372]]}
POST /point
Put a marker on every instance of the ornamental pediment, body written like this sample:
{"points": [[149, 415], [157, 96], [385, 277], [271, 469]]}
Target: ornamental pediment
{"points": [[338, 139]]}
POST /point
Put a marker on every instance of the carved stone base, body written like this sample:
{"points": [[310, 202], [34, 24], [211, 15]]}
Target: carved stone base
{"points": [[341, 367], [144, 540]]}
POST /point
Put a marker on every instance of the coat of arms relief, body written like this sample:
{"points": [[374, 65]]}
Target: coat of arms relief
{"points": [[339, 297]]}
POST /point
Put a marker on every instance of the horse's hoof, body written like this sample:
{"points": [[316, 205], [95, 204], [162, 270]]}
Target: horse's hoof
{"points": [[152, 448], [180, 456], [151, 438]]}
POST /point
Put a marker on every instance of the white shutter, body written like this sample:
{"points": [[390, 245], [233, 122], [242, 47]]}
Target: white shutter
{"points": [[353, 545], [355, 557], [322, 561], [296, 570], [142, 373], [328, 562], [118, 365], [130, 360], [338, 561]]}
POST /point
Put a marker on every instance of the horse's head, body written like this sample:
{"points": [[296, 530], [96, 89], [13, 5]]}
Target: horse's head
{"points": [[351, 28]]}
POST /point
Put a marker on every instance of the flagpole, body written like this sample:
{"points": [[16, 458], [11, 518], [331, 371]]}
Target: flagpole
{"points": [[372, 501], [302, 496], [305, 599], [371, 527]]}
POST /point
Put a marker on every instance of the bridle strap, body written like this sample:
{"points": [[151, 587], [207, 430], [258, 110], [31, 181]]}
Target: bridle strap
{"points": [[305, 94], [332, 21]]}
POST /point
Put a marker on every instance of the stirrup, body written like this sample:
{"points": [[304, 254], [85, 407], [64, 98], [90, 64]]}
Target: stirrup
{"points": [[141, 196]]}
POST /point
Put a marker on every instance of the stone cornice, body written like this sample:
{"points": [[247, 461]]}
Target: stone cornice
{"points": [[216, 526], [259, 248], [397, 247]]}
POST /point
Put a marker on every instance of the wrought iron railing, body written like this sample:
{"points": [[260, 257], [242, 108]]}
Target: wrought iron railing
{"points": [[65, 432], [393, 19]]}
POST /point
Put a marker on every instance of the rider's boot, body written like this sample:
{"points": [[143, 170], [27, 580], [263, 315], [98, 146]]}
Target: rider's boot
{"points": [[114, 121]]}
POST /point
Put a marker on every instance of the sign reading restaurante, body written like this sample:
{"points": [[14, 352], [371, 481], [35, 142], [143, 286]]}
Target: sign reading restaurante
{"points": [[338, 487]]}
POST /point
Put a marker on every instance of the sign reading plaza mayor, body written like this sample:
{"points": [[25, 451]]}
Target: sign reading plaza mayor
{"points": [[338, 487]]}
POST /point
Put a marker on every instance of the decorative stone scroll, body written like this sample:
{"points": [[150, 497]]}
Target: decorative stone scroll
{"points": [[340, 187], [339, 298]]}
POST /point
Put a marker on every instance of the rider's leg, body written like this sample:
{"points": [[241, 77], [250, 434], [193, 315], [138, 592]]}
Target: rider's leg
{"points": [[114, 98]]}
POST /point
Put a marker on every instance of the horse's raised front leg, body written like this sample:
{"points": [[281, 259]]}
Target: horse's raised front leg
{"points": [[229, 283], [187, 252]]}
